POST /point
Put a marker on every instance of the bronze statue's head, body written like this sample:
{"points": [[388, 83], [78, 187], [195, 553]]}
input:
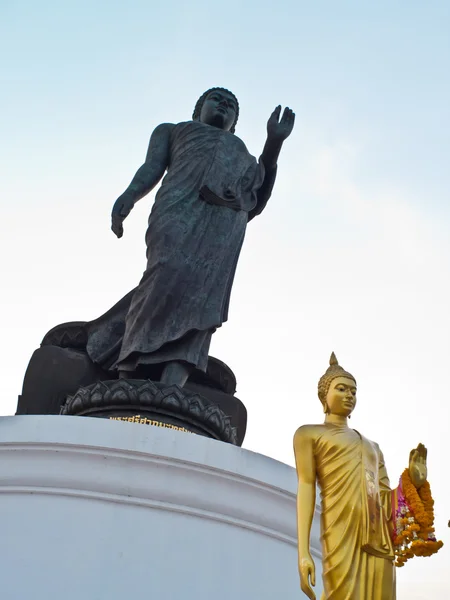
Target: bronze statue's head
{"points": [[346, 379], [218, 107]]}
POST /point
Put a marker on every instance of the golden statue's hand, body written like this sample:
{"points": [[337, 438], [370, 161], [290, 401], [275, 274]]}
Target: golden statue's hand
{"points": [[307, 571], [418, 465]]}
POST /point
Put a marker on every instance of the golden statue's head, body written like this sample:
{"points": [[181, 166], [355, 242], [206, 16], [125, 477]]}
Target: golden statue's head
{"points": [[343, 380]]}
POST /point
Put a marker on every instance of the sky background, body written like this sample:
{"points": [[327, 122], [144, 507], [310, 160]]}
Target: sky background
{"points": [[352, 253]]}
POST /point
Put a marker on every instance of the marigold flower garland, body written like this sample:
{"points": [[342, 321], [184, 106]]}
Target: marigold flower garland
{"points": [[413, 521]]}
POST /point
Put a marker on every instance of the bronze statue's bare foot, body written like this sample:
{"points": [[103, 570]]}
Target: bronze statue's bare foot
{"points": [[176, 373], [124, 374]]}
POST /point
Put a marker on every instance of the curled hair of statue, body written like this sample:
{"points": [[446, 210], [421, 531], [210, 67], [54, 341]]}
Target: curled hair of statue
{"points": [[199, 104], [333, 371]]}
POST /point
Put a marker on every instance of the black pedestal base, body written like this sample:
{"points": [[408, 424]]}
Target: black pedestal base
{"points": [[61, 368], [145, 402]]}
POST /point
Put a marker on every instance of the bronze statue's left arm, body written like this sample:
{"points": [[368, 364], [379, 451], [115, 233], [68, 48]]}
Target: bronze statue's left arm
{"points": [[264, 193], [277, 132]]}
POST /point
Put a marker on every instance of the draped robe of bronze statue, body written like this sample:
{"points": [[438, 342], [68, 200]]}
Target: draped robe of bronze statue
{"points": [[212, 189], [193, 247]]}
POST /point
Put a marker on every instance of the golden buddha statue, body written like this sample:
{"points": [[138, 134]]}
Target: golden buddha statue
{"points": [[366, 527]]}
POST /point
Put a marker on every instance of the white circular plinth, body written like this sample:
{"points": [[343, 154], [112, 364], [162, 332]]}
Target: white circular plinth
{"points": [[102, 510]]}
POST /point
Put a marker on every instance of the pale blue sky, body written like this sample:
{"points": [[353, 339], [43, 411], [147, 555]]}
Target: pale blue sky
{"points": [[352, 254]]}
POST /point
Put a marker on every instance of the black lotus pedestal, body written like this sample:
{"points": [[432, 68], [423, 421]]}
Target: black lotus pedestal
{"points": [[62, 379], [145, 402]]}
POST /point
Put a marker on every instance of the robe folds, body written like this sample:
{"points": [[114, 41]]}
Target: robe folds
{"points": [[357, 551], [195, 233]]}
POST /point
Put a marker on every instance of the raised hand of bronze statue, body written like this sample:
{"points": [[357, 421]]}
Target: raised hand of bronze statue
{"points": [[279, 130], [418, 465], [307, 571], [121, 209]]}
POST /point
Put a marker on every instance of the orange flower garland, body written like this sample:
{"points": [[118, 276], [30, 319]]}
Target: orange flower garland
{"points": [[413, 521]]}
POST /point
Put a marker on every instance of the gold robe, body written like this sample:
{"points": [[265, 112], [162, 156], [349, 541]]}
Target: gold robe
{"points": [[357, 551]]}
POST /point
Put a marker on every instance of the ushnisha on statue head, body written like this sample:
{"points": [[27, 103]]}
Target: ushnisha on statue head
{"points": [[337, 390], [217, 107]]}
